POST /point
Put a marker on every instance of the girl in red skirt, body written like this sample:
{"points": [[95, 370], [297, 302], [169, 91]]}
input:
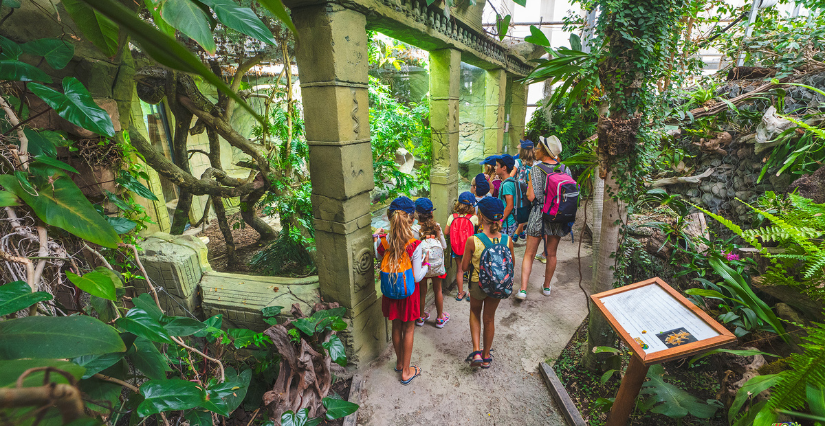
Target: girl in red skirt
{"points": [[403, 312]]}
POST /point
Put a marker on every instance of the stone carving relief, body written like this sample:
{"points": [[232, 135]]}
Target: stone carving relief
{"points": [[363, 261], [355, 121]]}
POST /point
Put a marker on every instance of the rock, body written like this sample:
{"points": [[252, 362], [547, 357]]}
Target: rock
{"points": [[705, 187], [811, 186], [715, 162], [787, 313], [768, 129], [779, 182], [734, 91], [719, 190], [743, 152], [692, 192], [743, 195], [707, 199], [737, 182]]}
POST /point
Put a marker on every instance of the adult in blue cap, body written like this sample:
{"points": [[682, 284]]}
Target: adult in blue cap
{"points": [[490, 211]]}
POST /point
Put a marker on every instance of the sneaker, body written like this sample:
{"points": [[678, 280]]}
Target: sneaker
{"points": [[545, 291], [521, 295], [420, 322], [541, 258], [439, 322]]}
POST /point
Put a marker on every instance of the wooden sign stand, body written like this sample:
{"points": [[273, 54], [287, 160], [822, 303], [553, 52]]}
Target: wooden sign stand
{"points": [[653, 304]]}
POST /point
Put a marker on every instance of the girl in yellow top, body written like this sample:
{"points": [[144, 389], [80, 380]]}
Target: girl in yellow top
{"points": [[482, 307]]}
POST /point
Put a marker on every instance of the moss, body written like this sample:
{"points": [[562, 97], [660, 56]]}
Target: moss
{"points": [[774, 367]]}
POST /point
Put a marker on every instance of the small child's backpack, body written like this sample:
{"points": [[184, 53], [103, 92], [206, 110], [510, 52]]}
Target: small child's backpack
{"points": [[460, 230], [521, 205], [433, 247], [495, 268], [523, 177], [397, 280]]}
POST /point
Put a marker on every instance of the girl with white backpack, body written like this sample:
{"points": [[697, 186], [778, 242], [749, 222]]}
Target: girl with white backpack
{"points": [[433, 244]]}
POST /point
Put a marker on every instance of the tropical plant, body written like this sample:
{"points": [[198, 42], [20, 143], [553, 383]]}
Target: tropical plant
{"points": [[569, 67], [669, 400]]}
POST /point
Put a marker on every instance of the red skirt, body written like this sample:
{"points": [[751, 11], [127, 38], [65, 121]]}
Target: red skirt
{"points": [[408, 309]]}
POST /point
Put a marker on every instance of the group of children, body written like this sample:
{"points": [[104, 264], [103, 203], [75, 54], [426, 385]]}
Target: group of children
{"points": [[503, 206]]}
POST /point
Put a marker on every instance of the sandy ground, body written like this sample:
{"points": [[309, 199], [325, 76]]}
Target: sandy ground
{"points": [[511, 392]]}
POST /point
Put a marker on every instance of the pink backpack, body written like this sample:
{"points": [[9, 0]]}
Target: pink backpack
{"points": [[561, 196]]}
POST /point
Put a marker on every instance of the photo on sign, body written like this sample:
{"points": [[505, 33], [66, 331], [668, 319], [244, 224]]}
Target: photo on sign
{"points": [[676, 337]]}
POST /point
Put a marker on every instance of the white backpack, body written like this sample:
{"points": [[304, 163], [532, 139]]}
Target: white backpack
{"points": [[433, 247]]}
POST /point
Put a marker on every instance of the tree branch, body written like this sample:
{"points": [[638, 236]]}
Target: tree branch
{"points": [[236, 81], [128, 385], [22, 153]]}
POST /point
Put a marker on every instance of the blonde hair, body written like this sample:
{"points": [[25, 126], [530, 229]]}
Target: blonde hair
{"points": [[494, 226], [401, 233], [526, 156], [462, 208], [489, 171], [428, 225]]}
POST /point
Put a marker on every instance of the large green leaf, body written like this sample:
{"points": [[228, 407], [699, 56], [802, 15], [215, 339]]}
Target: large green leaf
{"points": [[537, 37], [162, 25], [182, 326], [225, 397], [57, 52], [41, 142], [96, 363], [667, 399], [146, 302], [139, 323], [121, 225], [75, 105], [241, 337], [502, 25], [100, 30], [57, 337], [169, 395], [199, 418], [8, 199], [336, 350], [9, 49], [148, 359], [301, 418], [276, 7], [129, 182], [97, 283], [15, 70], [188, 18], [11, 370], [752, 387], [17, 295], [165, 49], [101, 395], [53, 162], [61, 204], [337, 408], [241, 19]]}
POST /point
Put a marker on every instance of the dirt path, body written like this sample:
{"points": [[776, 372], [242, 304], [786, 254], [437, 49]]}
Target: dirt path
{"points": [[511, 392]]}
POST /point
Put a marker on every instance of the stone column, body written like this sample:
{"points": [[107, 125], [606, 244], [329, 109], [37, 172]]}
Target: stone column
{"points": [[495, 83], [332, 67], [518, 114], [445, 76]]}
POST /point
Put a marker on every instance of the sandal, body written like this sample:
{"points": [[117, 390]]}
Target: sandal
{"points": [[474, 362], [417, 373], [420, 322], [439, 322], [486, 362], [461, 295]]}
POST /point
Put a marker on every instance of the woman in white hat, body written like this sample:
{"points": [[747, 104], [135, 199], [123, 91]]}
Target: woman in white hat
{"points": [[547, 159]]}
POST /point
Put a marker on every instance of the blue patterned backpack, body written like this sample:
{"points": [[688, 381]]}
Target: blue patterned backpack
{"points": [[495, 268]]}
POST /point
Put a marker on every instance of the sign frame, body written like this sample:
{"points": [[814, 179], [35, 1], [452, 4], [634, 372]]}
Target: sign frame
{"points": [[725, 337]]}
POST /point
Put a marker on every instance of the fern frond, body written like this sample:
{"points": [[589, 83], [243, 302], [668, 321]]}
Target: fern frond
{"points": [[807, 367], [800, 257], [736, 229], [815, 264], [778, 233], [793, 232]]}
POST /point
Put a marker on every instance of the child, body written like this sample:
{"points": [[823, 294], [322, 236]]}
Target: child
{"points": [[489, 164], [480, 187], [483, 307], [460, 226], [431, 231], [524, 164], [401, 248], [504, 166]]}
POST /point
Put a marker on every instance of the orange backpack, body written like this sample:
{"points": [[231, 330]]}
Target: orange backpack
{"points": [[397, 280]]}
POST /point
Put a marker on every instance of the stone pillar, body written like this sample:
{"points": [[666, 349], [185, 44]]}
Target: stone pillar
{"points": [[332, 66], [518, 114], [445, 76], [495, 83]]}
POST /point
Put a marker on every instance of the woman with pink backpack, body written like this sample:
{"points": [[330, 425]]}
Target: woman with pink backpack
{"points": [[547, 159]]}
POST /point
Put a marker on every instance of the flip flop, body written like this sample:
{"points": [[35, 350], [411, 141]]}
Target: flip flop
{"points": [[461, 296], [417, 373], [397, 370]]}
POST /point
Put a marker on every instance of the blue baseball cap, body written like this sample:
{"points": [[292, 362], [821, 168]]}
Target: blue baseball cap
{"points": [[482, 185], [527, 144], [424, 205], [507, 161], [491, 208], [402, 203], [490, 161], [467, 198]]}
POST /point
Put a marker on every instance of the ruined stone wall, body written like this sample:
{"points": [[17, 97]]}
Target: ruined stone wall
{"points": [[735, 173]]}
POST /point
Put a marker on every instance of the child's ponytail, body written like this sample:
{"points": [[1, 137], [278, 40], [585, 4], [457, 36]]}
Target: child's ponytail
{"points": [[401, 232], [494, 226]]}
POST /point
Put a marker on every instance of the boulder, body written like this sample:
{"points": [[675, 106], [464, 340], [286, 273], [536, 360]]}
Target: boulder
{"points": [[767, 130], [811, 186]]}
